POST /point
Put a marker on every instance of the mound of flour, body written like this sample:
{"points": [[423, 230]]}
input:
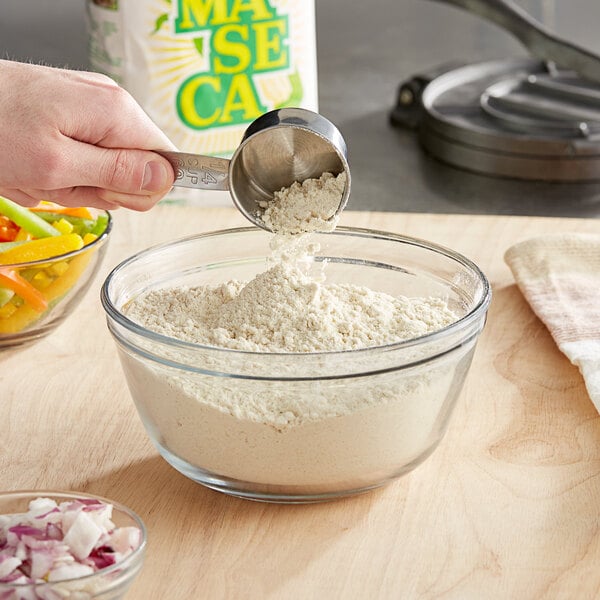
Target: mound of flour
{"points": [[305, 207], [285, 310]]}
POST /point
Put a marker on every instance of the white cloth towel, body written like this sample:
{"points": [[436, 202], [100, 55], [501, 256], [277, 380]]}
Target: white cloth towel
{"points": [[559, 275]]}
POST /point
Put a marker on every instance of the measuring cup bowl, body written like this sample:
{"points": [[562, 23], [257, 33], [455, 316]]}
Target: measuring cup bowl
{"points": [[279, 148]]}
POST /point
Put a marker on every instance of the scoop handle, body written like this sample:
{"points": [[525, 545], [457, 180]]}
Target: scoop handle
{"points": [[197, 171], [540, 42]]}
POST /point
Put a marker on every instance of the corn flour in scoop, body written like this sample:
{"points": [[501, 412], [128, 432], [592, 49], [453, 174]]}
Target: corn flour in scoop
{"points": [[279, 148]]}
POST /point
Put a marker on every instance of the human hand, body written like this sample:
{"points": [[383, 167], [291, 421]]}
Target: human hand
{"points": [[77, 139]]}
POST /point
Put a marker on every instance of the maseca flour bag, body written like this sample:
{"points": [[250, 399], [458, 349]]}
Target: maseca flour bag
{"points": [[204, 69]]}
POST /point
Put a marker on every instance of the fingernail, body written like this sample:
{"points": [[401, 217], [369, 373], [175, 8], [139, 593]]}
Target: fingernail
{"points": [[155, 177]]}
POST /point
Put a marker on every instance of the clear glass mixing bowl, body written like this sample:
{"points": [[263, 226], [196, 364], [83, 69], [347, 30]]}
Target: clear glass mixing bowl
{"points": [[64, 281], [298, 427]]}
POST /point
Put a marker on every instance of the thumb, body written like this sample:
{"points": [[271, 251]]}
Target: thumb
{"points": [[123, 170]]}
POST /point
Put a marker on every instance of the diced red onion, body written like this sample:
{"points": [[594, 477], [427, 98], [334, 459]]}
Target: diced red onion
{"points": [[8, 566], [55, 542], [21, 530]]}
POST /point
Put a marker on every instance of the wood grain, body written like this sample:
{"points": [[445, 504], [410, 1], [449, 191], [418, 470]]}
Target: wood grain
{"points": [[506, 507]]}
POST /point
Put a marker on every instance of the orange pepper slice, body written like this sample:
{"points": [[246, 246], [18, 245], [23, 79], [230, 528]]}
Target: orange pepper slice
{"points": [[11, 279], [73, 211]]}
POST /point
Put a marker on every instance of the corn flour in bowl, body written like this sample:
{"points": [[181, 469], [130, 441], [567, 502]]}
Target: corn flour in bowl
{"points": [[300, 374]]}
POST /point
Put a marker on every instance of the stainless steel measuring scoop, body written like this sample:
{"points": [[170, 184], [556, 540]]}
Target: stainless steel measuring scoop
{"points": [[279, 148]]}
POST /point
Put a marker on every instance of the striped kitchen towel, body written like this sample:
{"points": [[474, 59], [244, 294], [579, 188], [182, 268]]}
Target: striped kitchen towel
{"points": [[559, 275]]}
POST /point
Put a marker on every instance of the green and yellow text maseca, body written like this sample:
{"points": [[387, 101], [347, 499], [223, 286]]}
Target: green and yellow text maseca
{"points": [[245, 38]]}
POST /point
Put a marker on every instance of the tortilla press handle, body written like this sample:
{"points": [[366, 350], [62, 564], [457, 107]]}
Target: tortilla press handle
{"points": [[540, 42]]}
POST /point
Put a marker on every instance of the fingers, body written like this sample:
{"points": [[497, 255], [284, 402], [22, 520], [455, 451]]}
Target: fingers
{"points": [[119, 172], [85, 175], [77, 138], [104, 139], [19, 196], [85, 196], [101, 198], [137, 172]]}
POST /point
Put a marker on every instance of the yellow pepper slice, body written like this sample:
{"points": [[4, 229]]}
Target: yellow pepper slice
{"points": [[25, 315], [42, 249], [23, 236], [63, 226]]}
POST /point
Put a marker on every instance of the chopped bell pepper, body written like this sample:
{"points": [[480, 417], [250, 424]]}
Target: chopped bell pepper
{"points": [[6, 295], [63, 225], [26, 314], [51, 207], [57, 269], [4, 246], [7, 311], [79, 225], [23, 236], [41, 279], [9, 278], [8, 230], [42, 249], [45, 235]]}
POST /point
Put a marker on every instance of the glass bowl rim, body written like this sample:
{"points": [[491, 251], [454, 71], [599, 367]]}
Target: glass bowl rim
{"points": [[74, 495], [472, 315], [44, 261]]}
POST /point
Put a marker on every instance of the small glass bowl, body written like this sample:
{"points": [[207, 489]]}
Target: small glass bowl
{"points": [[110, 583], [298, 427], [62, 280]]}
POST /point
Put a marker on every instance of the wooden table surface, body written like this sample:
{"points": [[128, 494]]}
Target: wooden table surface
{"points": [[508, 506]]}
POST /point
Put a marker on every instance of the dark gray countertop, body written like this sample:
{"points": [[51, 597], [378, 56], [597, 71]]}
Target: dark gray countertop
{"points": [[364, 51]]}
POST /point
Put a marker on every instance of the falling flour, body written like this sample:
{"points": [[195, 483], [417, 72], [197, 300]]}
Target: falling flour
{"points": [[317, 435]]}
